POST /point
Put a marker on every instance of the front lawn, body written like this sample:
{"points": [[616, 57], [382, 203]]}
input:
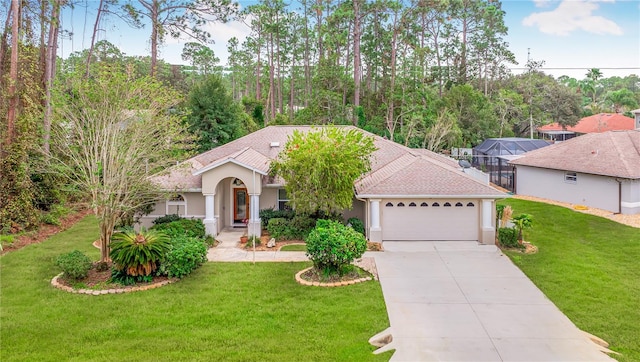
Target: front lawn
{"points": [[223, 311], [589, 267]]}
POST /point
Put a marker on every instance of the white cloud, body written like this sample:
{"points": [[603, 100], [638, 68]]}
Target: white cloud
{"points": [[573, 15], [542, 3]]}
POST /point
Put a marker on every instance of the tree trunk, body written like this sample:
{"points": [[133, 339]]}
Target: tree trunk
{"points": [[3, 43], [154, 37], [50, 70], [93, 38], [13, 73], [357, 68]]}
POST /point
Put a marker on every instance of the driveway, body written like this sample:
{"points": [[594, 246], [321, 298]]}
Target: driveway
{"points": [[460, 301]]}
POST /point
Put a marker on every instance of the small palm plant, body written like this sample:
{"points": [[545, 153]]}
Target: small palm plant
{"points": [[138, 254], [522, 221]]}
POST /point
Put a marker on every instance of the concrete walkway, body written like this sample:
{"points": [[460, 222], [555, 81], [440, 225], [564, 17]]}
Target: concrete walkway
{"points": [[460, 301], [456, 301]]}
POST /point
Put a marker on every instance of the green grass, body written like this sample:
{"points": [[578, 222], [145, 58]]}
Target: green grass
{"points": [[224, 311], [294, 247], [590, 268]]}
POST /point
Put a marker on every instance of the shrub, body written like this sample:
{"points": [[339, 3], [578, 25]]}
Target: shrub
{"points": [[121, 277], [277, 227], [185, 256], [251, 240], [508, 237], [268, 214], [183, 227], [356, 224], [138, 253], [300, 226], [331, 246], [166, 219], [74, 265]]}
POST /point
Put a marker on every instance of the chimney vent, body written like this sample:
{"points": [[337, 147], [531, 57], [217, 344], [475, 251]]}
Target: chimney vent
{"points": [[275, 144]]}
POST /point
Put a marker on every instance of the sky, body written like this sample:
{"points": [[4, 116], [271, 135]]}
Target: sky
{"points": [[570, 36]]}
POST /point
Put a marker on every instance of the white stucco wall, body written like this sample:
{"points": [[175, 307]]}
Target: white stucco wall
{"points": [[269, 198], [589, 190], [631, 197]]}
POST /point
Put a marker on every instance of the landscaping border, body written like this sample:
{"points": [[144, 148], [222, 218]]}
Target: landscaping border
{"points": [[56, 284], [335, 284]]}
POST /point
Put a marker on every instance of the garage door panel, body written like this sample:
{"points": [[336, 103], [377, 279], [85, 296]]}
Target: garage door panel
{"points": [[430, 222]]}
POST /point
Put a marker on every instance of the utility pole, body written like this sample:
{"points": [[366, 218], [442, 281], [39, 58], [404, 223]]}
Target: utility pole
{"points": [[530, 96]]}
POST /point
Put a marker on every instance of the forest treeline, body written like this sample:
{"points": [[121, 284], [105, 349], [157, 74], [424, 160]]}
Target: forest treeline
{"points": [[429, 74]]}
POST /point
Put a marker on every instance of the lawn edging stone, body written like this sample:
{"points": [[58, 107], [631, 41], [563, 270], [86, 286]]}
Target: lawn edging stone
{"points": [[320, 284], [56, 284]]}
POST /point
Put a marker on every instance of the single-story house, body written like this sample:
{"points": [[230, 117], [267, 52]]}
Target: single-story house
{"points": [[598, 123], [409, 194], [600, 170]]}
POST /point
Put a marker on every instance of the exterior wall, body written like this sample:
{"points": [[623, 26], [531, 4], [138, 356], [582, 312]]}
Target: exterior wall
{"points": [[631, 197], [194, 209], [357, 210], [589, 190], [269, 198]]}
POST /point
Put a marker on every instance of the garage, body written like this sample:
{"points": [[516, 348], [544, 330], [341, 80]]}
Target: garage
{"points": [[429, 219]]}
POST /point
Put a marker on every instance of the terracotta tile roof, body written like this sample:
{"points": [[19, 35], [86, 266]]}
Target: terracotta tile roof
{"points": [[395, 169], [597, 123], [614, 153]]}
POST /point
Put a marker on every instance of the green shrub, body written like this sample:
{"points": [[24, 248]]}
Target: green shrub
{"points": [[121, 277], [300, 226], [49, 219], [277, 227], [356, 224], [183, 227], [166, 219], [331, 246], [251, 240], [55, 213], [268, 214], [185, 256], [138, 253], [508, 237], [74, 265]]}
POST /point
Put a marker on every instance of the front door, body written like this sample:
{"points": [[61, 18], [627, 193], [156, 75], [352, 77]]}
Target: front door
{"points": [[240, 205]]}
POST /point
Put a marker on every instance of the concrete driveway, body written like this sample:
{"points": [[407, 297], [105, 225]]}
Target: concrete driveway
{"points": [[460, 301]]}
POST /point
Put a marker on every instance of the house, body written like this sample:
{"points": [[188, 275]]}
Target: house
{"points": [[600, 170], [409, 194], [597, 123]]}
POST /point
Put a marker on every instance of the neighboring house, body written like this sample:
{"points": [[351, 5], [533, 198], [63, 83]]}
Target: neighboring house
{"points": [[600, 170], [597, 123], [409, 194]]}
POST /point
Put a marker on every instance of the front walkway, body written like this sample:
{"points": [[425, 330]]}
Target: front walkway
{"points": [[456, 301]]}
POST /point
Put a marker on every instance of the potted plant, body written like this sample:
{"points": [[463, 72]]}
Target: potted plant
{"points": [[244, 238]]}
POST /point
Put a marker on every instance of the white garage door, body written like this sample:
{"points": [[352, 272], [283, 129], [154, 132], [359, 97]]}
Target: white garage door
{"points": [[429, 219]]}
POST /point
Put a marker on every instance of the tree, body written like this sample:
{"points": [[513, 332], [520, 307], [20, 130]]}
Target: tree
{"points": [[178, 17], [622, 99], [522, 221], [320, 167], [202, 57], [215, 118], [112, 133]]}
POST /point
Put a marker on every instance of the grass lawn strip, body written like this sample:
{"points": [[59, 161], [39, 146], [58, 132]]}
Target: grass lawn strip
{"points": [[223, 311], [588, 266]]}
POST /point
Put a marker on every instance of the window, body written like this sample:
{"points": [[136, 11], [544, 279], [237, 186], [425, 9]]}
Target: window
{"points": [[388, 204], [177, 204], [458, 204], [283, 200], [413, 204], [400, 204], [570, 177], [435, 204], [446, 204], [424, 204], [470, 204]]}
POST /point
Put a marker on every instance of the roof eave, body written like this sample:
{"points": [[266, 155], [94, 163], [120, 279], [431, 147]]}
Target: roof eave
{"points": [[431, 196], [217, 164]]}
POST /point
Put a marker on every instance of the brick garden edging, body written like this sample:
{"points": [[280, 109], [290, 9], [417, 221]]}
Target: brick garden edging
{"points": [[336, 284], [56, 284]]}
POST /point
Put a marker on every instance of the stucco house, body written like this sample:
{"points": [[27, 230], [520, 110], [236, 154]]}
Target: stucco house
{"points": [[597, 123], [600, 170], [409, 194]]}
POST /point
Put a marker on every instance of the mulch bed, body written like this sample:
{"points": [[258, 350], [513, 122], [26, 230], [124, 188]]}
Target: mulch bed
{"points": [[264, 239], [99, 280], [314, 275], [44, 231]]}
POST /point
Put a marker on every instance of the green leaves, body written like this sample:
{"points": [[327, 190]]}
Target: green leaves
{"points": [[320, 167], [331, 246], [138, 253]]}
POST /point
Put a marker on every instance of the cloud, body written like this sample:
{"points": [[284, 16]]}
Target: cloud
{"points": [[573, 15]]}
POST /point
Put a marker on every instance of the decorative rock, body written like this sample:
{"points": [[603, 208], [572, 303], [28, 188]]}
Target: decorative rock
{"points": [[271, 243]]}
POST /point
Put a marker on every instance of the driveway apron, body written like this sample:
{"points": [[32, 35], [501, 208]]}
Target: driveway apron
{"points": [[461, 301]]}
